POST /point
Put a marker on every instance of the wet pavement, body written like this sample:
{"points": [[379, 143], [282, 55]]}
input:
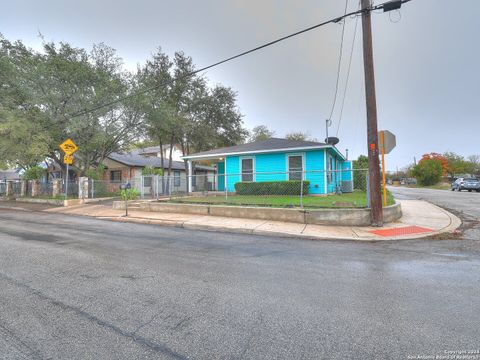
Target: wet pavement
{"points": [[78, 287]]}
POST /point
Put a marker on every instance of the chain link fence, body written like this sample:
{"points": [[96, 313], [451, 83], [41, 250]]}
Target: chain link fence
{"points": [[103, 189], [311, 189], [45, 189], [276, 189]]}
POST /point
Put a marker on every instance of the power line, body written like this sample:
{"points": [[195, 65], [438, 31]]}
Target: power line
{"points": [[348, 76], [339, 67], [333, 20]]}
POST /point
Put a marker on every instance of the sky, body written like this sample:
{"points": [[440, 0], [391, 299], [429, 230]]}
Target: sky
{"points": [[427, 58]]}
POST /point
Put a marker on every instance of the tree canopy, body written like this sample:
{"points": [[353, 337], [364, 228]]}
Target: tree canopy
{"points": [[260, 132], [67, 92]]}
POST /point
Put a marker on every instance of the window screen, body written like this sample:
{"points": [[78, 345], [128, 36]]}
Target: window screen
{"points": [[247, 169], [147, 181], [176, 178], [295, 167], [116, 175]]}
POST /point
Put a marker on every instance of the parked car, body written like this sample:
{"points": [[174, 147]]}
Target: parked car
{"points": [[469, 184]]}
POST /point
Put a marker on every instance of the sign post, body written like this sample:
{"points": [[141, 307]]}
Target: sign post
{"points": [[387, 144], [69, 148], [124, 188]]}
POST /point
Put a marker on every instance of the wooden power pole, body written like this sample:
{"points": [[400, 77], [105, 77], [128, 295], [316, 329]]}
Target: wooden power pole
{"points": [[372, 129]]}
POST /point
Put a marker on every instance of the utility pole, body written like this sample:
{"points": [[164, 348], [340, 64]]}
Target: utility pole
{"points": [[372, 130]]}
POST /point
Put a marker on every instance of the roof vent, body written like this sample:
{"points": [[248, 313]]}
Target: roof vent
{"points": [[331, 140]]}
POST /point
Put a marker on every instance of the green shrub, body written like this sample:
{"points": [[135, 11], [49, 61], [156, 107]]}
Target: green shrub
{"points": [[96, 174], [290, 187], [150, 170], [34, 173], [130, 194], [428, 172]]}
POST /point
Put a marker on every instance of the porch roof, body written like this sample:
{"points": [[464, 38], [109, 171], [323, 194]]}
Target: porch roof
{"points": [[136, 160]]}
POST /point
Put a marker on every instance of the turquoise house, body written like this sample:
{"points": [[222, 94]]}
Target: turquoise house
{"points": [[275, 159]]}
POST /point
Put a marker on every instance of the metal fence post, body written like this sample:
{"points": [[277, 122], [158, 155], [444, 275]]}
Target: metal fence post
{"points": [[301, 191], [142, 190], [367, 179], [225, 185]]}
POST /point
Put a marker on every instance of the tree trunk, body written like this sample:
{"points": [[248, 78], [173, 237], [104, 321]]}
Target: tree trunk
{"points": [[170, 155], [162, 163]]}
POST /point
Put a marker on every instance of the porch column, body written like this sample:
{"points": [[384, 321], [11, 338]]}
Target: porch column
{"points": [[189, 189], [9, 188], [83, 188], [56, 187], [23, 188]]}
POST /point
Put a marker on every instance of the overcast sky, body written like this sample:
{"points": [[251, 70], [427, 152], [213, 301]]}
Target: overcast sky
{"points": [[427, 59]]}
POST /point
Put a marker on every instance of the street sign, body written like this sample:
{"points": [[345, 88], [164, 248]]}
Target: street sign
{"points": [[68, 159], [388, 141], [68, 147]]}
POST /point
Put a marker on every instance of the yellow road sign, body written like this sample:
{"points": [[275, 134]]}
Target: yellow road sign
{"points": [[68, 159], [68, 147]]}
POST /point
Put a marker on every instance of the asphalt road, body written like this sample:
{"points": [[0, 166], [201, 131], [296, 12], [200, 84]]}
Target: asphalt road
{"points": [[81, 288]]}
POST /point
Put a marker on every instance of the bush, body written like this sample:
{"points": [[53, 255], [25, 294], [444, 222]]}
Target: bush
{"points": [[428, 172], [130, 194], [34, 173], [150, 170], [290, 187]]}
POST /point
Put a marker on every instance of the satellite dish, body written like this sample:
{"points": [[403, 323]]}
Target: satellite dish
{"points": [[331, 140]]}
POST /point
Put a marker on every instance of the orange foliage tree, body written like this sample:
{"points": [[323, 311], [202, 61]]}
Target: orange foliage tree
{"points": [[437, 157]]}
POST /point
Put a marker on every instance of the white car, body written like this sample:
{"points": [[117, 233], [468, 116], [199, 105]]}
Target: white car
{"points": [[469, 184]]}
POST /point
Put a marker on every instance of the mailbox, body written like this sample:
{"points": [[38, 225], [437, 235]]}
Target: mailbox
{"points": [[126, 186]]}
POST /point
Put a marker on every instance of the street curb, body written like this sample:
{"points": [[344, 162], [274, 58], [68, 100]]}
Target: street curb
{"points": [[455, 223]]}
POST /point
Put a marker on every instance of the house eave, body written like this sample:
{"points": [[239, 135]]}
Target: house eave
{"points": [[219, 155]]}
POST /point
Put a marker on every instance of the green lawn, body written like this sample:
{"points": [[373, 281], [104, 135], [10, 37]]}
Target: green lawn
{"points": [[356, 199]]}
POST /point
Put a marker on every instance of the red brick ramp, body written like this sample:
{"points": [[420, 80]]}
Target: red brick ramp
{"points": [[401, 231]]}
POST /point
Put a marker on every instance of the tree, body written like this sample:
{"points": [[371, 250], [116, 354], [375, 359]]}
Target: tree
{"points": [[474, 161], [186, 111], [457, 164], [299, 136], [48, 92], [438, 157], [23, 142], [260, 133], [34, 173], [428, 172]]}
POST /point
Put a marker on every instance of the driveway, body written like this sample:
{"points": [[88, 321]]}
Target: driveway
{"points": [[464, 204], [82, 288]]}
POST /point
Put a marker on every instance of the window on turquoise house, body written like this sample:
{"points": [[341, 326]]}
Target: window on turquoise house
{"points": [[247, 169], [329, 170], [295, 167]]}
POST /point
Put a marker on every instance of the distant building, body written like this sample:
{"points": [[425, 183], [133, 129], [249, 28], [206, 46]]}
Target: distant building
{"points": [[154, 151], [10, 174]]}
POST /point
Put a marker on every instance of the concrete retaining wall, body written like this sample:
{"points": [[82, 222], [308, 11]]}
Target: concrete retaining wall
{"points": [[60, 202], [346, 217], [41, 201]]}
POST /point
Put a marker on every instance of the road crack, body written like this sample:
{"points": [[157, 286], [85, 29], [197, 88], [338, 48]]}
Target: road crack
{"points": [[149, 343]]}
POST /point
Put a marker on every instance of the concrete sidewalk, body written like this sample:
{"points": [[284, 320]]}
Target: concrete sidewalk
{"points": [[420, 219]]}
